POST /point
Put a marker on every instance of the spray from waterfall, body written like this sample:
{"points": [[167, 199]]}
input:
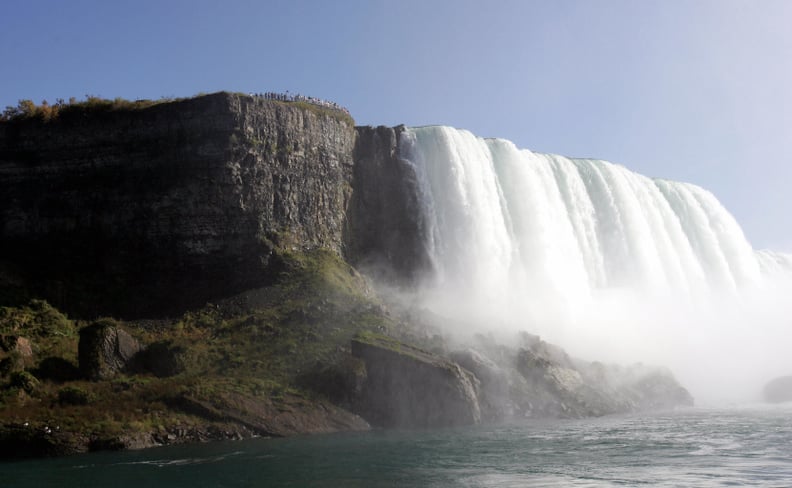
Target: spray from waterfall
{"points": [[603, 261]]}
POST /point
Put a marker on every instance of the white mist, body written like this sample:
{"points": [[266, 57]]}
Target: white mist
{"points": [[610, 264]]}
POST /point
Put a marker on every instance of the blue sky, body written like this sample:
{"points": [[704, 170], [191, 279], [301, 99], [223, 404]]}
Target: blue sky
{"points": [[690, 90]]}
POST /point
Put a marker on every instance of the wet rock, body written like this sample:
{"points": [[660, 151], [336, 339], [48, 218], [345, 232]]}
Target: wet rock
{"points": [[778, 390], [408, 387], [494, 392], [656, 389], [552, 384], [385, 225]]}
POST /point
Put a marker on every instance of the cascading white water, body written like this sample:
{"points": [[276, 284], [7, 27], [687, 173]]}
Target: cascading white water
{"points": [[580, 249]]}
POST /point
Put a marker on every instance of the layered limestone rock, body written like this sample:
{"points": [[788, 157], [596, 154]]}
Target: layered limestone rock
{"points": [[134, 211]]}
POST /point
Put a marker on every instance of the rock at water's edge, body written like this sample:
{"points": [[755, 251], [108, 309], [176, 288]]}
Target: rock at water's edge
{"points": [[407, 387]]}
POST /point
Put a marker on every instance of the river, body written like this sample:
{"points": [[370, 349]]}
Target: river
{"points": [[738, 446]]}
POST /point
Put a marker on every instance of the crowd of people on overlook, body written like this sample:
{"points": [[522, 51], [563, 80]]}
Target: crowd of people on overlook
{"points": [[287, 97]]}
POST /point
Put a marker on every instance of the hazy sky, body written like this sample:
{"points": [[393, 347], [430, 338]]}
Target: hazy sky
{"points": [[690, 90]]}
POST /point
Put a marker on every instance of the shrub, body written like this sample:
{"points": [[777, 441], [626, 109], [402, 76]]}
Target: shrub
{"points": [[57, 369], [72, 395], [24, 380]]}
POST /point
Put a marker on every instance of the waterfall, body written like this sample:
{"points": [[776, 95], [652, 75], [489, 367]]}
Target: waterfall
{"points": [[579, 248]]}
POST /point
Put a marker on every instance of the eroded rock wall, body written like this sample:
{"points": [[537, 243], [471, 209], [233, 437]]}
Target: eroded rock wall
{"points": [[385, 233], [141, 211]]}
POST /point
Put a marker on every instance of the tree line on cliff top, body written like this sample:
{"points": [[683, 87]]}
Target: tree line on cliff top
{"points": [[28, 109]]}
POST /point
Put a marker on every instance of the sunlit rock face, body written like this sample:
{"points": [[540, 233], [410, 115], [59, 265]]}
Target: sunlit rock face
{"points": [[171, 204]]}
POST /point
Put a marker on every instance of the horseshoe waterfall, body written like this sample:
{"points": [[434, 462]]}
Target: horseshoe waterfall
{"points": [[605, 261]]}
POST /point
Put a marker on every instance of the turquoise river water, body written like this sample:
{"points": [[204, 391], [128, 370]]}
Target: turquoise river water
{"points": [[740, 446]]}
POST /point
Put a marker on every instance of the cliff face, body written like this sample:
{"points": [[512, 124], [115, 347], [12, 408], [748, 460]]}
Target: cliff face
{"points": [[149, 209], [385, 228]]}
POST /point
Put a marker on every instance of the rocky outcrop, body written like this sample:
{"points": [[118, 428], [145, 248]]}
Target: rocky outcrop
{"points": [[494, 391], [394, 384], [408, 387], [105, 350], [553, 386], [385, 228], [135, 212], [539, 379], [778, 390], [655, 389]]}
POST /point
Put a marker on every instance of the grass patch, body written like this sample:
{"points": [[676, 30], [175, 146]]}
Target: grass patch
{"points": [[259, 344]]}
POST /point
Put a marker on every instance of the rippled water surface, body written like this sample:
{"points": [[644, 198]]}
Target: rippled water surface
{"points": [[692, 448]]}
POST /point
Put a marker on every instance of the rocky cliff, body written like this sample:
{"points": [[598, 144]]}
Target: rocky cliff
{"points": [[134, 211], [385, 231]]}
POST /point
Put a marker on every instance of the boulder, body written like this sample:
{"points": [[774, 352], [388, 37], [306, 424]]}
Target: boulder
{"points": [[105, 350], [407, 387], [779, 390], [550, 386]]}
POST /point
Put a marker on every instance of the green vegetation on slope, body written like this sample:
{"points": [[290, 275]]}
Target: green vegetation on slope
{"points": [[260, 344]]}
